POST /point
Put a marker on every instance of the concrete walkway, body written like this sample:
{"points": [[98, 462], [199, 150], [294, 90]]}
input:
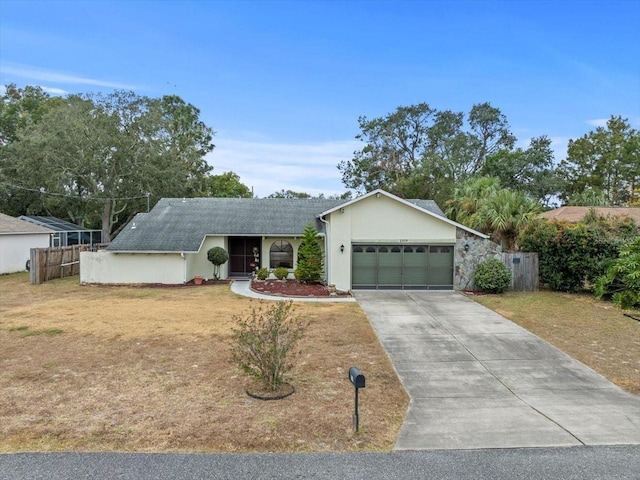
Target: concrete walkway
{"points": [[242, 287], [477, 380]]}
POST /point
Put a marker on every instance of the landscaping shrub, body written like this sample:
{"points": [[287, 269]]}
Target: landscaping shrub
{"points": [[310, 257], [218, 256], [262, 273], [264, 342], [492, 276], [281, 273], [621, 282], [572, 255]]}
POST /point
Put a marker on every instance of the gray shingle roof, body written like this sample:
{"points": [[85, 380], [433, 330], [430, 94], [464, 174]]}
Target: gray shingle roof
{"points": [[429, 205], [179, 225], [12, 225]]}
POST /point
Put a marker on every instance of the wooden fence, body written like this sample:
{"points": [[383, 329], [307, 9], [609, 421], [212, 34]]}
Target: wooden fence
{"points": [[55, 262], [524, 270]]}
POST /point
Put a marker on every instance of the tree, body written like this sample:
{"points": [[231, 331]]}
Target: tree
{"points": [[468, 198], [289, 194], [605, 160], [394, 146], [100, 158], [218, 256], [505, 214], [292, 194], [420, 152], [20, 107], [589, 198], [621, 281], [530, 170], [310, 258], [481, 204], [226, 185]]}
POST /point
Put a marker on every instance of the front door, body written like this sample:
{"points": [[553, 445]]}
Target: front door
{"points": [[242, 258]]}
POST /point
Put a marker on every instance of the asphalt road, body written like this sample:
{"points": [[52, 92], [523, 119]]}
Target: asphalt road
{"points": [[566, 463]]}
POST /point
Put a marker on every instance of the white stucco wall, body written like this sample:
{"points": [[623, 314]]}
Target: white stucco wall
{"points": [[378, 220], [267, 242], [108, 267], [15, 249], [199, 264]]}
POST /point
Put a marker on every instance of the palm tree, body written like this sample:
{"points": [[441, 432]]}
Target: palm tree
{"points": [[506, 213], [469, 197], [481, 204]]}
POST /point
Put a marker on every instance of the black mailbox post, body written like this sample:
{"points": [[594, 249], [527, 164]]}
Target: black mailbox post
{"points": [[357, 379]]}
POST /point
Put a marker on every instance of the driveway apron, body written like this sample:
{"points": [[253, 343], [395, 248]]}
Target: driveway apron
{"points": [[477, 380]]}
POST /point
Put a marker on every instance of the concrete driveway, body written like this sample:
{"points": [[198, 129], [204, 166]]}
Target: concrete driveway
{"points": [[477, 380]]}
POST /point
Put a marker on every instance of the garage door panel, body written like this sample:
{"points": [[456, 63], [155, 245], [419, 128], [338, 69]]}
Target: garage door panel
{"points": [[365, 266], [390, 276], [415, 276], [440, 266]]}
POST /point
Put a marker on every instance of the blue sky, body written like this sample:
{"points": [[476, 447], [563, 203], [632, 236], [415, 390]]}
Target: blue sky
{"points": [[283, 83]]}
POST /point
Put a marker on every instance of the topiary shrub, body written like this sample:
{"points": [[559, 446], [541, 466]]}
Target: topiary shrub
{"points": [[262, 273], [492, 276], [281, 273], [218, 256]]}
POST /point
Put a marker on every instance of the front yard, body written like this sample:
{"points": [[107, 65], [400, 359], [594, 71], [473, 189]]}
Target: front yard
{"points": [[147, 369]]}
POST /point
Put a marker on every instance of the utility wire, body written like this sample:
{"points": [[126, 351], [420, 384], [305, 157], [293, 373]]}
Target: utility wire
{"points": [[42, 192]]}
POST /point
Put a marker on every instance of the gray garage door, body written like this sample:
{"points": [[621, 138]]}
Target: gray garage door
{"points": [[402, 267]]}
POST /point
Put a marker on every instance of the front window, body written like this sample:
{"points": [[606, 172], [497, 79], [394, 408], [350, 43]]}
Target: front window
{"points": [[281, 254]]}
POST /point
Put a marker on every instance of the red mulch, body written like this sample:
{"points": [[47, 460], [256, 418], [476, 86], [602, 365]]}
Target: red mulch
{"points": [[293, 288]]}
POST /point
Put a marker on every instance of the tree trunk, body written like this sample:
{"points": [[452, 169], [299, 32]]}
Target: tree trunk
{"points": [[106, 221]]}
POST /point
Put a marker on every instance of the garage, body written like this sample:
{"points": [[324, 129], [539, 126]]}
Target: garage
{"points": [[393, 266]]}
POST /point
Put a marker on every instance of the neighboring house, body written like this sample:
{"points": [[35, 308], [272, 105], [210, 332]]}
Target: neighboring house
{"points": [[377, 240], [65, 233], [17, 238], [576, 214]]}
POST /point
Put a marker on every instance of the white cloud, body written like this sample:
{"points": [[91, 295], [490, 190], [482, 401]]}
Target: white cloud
{"points": [[34, 73], [598, 122], [54, 91], [270, 167]]}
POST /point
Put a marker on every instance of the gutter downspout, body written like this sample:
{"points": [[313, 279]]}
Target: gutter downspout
{"points": [[184, 268], [326, 249]]}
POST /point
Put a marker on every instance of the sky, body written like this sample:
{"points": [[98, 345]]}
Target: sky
{"points": [[283, 83]]}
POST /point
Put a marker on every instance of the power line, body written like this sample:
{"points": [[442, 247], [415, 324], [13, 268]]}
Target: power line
{"points": [[66, 195]]}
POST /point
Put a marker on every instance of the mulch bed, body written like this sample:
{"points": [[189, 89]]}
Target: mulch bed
{"points": [[293, 288], [209, 282]]}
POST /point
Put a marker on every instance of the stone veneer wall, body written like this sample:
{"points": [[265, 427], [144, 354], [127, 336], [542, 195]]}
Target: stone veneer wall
{"points": [[465, 262]]}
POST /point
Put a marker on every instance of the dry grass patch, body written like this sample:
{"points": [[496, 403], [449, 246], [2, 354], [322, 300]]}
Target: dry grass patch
{"points": [[147, 369], [594, 332]]}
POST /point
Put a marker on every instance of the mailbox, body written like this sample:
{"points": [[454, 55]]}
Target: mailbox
{"points": [[356, 377]]}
